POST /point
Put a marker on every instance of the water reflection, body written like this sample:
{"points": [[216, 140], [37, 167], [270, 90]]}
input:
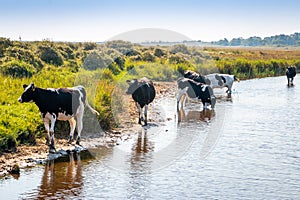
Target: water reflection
{"points": [[142, 151], [193, 115], [60, 179], [141, 160]]}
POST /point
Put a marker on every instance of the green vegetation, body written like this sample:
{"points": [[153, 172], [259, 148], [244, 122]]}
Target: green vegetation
{"points": [[100, 67]]}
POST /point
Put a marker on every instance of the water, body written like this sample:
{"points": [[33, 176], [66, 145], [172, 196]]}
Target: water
{"points": [[247, 149]]}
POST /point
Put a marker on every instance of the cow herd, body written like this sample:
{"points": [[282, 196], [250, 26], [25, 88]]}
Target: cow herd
{"points": [[68, 103]]}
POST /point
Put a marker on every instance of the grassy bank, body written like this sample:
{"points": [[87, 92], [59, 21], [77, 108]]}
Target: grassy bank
{"points": [[100, 67]]}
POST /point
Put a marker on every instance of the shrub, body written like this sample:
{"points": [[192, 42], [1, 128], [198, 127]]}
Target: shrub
{"points": [[147, 56], [87, 46], [50, 55], [96, 60], [159, 53], [179, 48], [17, 69]]}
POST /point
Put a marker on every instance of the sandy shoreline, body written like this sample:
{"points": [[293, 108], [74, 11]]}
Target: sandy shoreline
{"points": [[29, 156]]}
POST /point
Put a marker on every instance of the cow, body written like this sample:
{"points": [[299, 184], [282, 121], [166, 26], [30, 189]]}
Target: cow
{"points": [[221, 80], [58, 104], [195, 91], [290, 74], [143, 93], [196, 77]]}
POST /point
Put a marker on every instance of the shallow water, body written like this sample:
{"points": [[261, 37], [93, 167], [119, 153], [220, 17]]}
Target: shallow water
{"points": [[248, 148]]}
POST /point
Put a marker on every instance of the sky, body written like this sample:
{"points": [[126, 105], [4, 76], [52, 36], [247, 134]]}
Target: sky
{"points": [[101, 20]]}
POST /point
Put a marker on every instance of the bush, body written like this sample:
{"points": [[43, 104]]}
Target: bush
{"points": [[87, 46], [50, 55], [159, 53], [147, 56], [96, 60], [179, 48], [123, 47], [17, 69]]}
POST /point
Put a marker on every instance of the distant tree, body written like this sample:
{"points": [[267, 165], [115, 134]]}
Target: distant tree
{"points": [[236, 42], [253, 41], [223, 42]]}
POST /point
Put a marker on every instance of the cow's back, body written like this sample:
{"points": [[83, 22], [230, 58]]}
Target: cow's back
{"points": [[144, 94], [69, 100]]}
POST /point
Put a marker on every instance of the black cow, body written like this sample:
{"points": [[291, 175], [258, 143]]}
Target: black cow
{"points": [[196, 91], [58, 104], [290, 74], [196, 77], [143, 93]]}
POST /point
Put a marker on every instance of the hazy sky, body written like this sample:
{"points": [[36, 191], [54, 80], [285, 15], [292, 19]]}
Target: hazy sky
{"points": [[92, 20]]}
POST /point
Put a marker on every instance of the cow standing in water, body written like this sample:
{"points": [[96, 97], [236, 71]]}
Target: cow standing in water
{"points": [[290, 74], [58, 104], [213, 80], [221, 80], [143, 93], [195, 91]]}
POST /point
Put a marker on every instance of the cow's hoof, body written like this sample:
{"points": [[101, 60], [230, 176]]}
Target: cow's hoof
{"points": [[78, 141], [47, 142], [52, 150], [70, 140]]}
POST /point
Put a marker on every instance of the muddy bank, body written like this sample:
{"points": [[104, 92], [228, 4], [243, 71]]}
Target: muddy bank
{"points": [[29, 156]]}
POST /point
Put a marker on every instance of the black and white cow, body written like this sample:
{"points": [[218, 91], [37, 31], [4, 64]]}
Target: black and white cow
{"points": [[143, 93], [290, 74], [58, 104], [195, 91], [221, 80], [196, 77]]}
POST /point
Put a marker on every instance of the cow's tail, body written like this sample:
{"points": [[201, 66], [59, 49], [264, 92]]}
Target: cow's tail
{"points": [[84, 99], [236, 79], [90, 107]]}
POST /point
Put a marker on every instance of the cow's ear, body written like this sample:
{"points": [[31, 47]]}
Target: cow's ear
{"points": [[25, 86], [32, 86], [128, 81]]}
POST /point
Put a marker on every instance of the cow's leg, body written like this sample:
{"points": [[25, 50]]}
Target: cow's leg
{"points": [[213, 102], [79, 117], [181, 92], [72, 123], [52, 146], [145, 114], [204, 105], [228, 91], [79, 128], [47, 127], [288, 80], [140, 112], [292, 79]]}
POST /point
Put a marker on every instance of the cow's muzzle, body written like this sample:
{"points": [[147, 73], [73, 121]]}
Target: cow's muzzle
{"points": [[20, 100]]}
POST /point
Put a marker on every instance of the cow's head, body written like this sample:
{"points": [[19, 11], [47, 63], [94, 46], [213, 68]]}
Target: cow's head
{"points": [[28, 93], [133, 86]]}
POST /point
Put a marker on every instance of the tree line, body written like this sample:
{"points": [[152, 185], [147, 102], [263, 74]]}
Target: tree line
{"points": [[277, 40]]}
